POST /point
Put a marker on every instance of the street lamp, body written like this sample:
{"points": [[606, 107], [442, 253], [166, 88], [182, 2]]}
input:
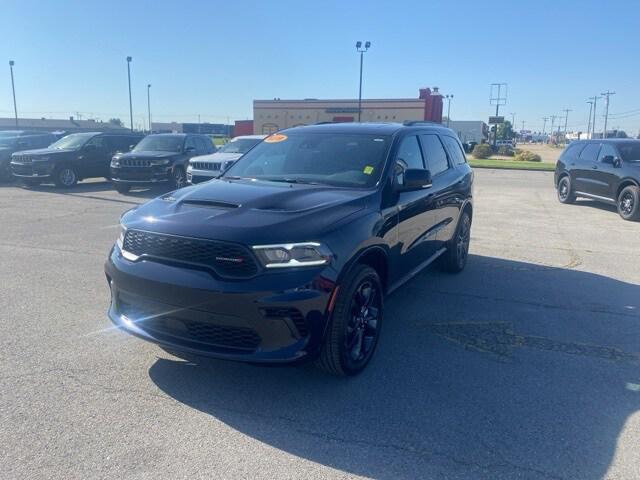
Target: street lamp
{"points": [[130, 104], [149, 106], [448, 97], [361, 50], [13, 88]]}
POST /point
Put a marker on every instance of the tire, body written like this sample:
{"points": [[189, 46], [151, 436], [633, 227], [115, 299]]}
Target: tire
{"points": [[565, 191], [31, 182], [455, 258], [65, 176], [629, 203], [179, 177], [354, 328], [122, 188]]}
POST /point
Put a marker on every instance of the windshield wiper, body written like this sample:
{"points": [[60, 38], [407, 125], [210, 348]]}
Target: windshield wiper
{"points": [[292, 180]]}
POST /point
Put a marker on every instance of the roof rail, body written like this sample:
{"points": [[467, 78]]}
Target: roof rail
{"points": [[408, 123]]}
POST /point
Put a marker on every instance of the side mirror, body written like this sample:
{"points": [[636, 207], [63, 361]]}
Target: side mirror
{"points": [[611, 160], [415, 179]]}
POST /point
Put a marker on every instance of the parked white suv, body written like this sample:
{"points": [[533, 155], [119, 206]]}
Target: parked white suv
{"points": [[206, 167]]}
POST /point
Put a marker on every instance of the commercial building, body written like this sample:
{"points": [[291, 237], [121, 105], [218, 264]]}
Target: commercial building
{"points": [[273, 115], [470, 130], [69, 125], [216, 129]]}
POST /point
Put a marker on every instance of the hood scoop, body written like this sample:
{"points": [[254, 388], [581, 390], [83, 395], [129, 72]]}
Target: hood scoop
{"points": [[209, 203]]}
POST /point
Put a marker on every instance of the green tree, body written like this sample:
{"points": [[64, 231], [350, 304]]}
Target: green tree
{"points": [[115, 121], [505, 131]]}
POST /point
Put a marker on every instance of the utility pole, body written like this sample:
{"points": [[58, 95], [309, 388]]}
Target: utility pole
{"points": [[130, 103], [590, 102], [149, 106], [513, 120], [448, 97], [606, 94], [544, 125], [361, 50], [595, 103], [13, 89], [566, 118]]}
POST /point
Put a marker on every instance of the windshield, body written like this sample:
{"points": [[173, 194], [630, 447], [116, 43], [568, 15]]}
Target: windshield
{"points": [[242, 145], [7, 141], [630, 152], [349, 160], [160, 143], [73, 141]]}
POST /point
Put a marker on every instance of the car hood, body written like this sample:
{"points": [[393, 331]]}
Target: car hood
{"points": [[148, 154], [249, 212], [217, 157]]}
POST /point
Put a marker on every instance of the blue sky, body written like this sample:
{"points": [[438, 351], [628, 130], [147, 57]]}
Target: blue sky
{"points": [[214, 58]]}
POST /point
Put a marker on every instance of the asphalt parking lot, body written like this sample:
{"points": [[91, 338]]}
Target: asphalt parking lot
{"points": [[524, 366]]}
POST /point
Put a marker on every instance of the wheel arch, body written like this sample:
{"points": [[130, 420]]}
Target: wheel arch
{"points": [[376, 257], [627, 182]]}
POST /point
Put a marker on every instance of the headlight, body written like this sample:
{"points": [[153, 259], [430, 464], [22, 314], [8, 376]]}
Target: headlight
{"points": [[120, 241], [306, 254], [163, 161]]}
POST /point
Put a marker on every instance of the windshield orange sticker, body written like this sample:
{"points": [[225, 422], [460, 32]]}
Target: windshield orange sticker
{"points": [[275, 138]]}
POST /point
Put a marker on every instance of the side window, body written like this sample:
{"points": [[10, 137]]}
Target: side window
{"points": [[572, 151], [409, 154], [607, 150], [190, 143], [453, 146], [42, 141], [590, 153], [203, 148], [100, 142], [435, 155]]}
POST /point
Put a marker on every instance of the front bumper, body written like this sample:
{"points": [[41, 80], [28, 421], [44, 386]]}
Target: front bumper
{"points": [[140, 175], [272, 318], [31, 170]]}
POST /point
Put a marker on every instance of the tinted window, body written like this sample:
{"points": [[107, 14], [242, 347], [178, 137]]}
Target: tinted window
{"points": [[203, 145], [123, 144], [190, 143], [42, 141], [630, 151], [607, 150], [590, 152], [435, 155], [453, 146], [409, 153], [100, 142], [160, 143], [572, 151]]}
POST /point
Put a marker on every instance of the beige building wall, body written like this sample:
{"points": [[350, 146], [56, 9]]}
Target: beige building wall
{"points": [[272, 115]]}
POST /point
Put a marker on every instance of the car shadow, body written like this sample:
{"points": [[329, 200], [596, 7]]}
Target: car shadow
{"points": [[86, 189], [597, 205], [509, 369]]}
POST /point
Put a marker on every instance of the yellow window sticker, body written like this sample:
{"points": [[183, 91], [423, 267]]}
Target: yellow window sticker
{"points": [[368, 170], [276, 138]]}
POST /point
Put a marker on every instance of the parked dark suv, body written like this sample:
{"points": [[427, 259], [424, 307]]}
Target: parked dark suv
{"points": [[289, 254], [12, 141], [158, 158], [72, 158], [604, 170]]}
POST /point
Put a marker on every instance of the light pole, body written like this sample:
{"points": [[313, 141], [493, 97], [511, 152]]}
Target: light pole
{"points": [[130, 104], [13, 88], [595, 103], [544, 125], [513, 119], [448, 97], [590, 102], [606, 94], [149, 106], [361, 50]]}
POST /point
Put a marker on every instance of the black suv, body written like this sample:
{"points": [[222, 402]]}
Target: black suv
{"points": [[12, 141], [72, 158], [603, 170], [158, 158], [289, 254]]}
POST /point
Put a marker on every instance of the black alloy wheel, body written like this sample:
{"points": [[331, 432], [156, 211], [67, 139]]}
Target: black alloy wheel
{"points": [[565, 195], [179, 177], [353, 334], [65, 176], [455, 258], [629, 203]]}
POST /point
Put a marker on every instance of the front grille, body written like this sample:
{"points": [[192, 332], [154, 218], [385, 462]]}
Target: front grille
{"points": [[213, 166], [226, 259], [221, 336], [135, 162], [225, 336], [292, 314], [21, 158]]}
